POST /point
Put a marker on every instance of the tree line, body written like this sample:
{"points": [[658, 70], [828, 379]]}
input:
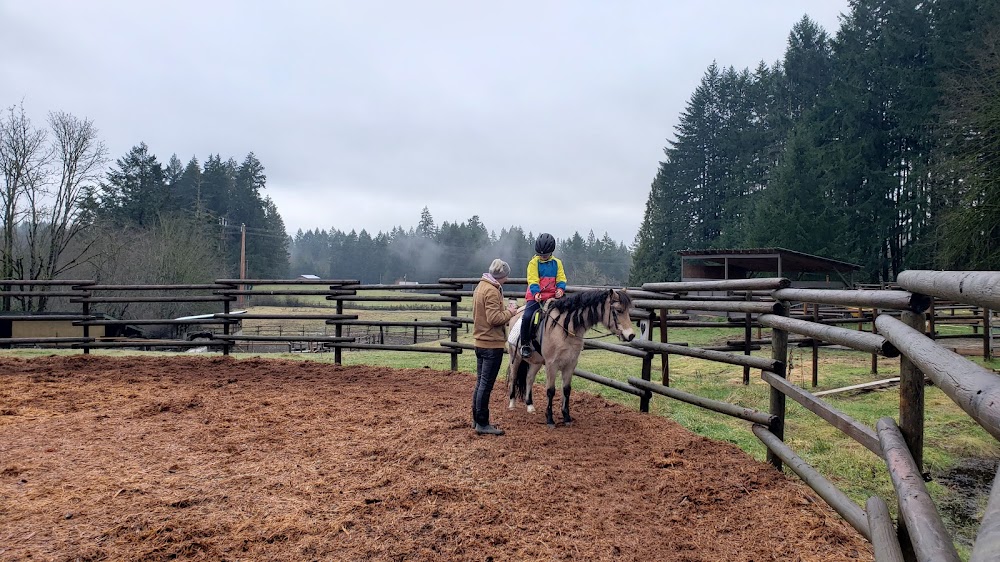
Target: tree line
{"points": [[427, 252], [66, 214], [877, 146], [69, 213]]}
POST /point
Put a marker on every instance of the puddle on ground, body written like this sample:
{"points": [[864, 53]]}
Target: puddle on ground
{"points": [[970, 482]]}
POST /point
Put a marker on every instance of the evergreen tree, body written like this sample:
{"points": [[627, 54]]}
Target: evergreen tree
{"points": [[134, 192], [968, 57], [882, 104], [187, 190], [172, 173], [426, 226]]}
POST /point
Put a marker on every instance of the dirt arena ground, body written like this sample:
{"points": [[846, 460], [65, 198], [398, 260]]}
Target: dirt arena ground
{"points": [[217, 459]]}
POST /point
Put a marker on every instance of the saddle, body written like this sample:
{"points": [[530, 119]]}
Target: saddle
{"points": [[536, 329]]}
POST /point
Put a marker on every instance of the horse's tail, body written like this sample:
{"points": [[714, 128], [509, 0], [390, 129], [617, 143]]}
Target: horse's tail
{"points": [[521, 380]]}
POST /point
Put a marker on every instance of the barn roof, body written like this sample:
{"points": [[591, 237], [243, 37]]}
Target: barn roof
{"points": [[763, 259]]}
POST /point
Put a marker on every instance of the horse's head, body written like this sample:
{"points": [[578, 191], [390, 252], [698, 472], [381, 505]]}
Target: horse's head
{"points": [[618, 320]]}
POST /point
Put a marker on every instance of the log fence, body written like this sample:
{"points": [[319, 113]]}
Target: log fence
{"points": [[898, 320]]}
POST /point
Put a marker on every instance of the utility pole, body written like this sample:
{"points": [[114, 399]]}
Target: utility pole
{"points": [[243, 262]]}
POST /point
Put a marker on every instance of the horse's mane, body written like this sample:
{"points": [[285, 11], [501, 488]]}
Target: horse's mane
{"points": [[584, 309]]}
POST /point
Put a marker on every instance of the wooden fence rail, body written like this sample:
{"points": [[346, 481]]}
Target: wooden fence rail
{"points": [[930, 540], [988, 540], [758, 302], [974, 388]]}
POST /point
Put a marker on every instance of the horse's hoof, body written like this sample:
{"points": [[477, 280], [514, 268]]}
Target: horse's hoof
{"points": [[551, 425], [531, 409], [568, 424], [510, 405]]}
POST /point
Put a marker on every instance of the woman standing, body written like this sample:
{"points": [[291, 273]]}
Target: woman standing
{"points": [[489, 317]]}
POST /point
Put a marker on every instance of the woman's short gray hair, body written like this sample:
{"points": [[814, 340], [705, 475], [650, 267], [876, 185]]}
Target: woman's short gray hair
{"points": [[499, 269]]}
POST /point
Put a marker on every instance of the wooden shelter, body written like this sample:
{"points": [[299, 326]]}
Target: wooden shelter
{"points": [[804, 270]]}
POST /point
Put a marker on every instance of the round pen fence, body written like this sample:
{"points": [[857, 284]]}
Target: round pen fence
{"points": [[884, 323]]}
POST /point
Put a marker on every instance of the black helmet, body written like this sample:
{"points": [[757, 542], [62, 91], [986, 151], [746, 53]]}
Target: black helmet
{"points": [[545, 244]]}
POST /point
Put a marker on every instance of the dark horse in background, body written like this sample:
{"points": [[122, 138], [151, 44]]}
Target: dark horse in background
{"points": [[563, 324]]}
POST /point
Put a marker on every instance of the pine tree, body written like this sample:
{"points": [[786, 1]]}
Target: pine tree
{"points": [[426, 226], [968, 57], [134, 192]]}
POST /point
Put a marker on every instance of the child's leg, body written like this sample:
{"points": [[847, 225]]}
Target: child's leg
{"points": [[529, 311]]}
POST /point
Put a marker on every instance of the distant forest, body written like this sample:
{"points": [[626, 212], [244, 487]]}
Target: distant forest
{"points": [[428, 252], [878, 146]]}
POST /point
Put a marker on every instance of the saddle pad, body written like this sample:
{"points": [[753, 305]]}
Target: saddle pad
{"points": [[513, 337]]}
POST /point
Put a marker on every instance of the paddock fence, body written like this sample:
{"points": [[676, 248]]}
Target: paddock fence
{"points": [[901, 322]]}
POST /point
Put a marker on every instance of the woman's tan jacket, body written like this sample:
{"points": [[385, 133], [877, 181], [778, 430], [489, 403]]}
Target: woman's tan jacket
{"points": [[489, 315]]}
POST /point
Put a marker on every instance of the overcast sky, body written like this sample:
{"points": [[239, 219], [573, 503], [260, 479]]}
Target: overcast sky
{"points": [[548, 115]]}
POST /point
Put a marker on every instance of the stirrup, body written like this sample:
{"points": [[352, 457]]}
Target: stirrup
{"points": [[525, 351]]}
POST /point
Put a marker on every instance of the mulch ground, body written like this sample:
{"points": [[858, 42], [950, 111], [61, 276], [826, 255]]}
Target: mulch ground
{"points": [[217, 459]]}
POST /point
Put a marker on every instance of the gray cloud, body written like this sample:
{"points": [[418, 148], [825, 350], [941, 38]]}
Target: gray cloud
{"points": [[548, 115]]}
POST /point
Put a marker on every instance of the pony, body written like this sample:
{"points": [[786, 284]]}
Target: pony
{"points": [[563, 324]]}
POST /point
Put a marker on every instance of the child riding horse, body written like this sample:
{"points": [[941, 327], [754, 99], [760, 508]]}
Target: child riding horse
{"points": [[563, 324]]}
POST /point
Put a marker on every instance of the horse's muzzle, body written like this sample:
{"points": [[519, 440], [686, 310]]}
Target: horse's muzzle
{"points": [[629, 336]]}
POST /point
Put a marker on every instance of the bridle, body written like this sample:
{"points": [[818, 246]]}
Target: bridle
{"points": [[614, 316]]}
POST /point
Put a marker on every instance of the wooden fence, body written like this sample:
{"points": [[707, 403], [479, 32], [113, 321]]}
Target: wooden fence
{"points": [[805, 316]]}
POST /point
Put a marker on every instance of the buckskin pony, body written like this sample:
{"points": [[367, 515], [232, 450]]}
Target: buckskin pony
{"points": [[562, 327]]}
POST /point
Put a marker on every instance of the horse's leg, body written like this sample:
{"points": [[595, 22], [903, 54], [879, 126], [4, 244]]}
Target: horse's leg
{"points": [[567, 379], [528, 401], [550, 393], [511, 383]]}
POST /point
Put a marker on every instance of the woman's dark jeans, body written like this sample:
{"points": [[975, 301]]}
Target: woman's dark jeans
{"points": [[487, 367]]}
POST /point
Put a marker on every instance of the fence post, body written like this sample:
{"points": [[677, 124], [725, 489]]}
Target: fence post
{"points": [[664, 357], [647, 370], [86, 329], [454, 335], [779, 351], [874, 331], [415, 332], [225, 327], [747, 336], [815, 348], [338, 331], [987, 335], [911, 414], [911, 396]]}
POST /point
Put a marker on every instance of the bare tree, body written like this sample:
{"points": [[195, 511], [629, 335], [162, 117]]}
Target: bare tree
{"points": [[44, 186], [24, 156], [54, 207], [173, 251]]}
